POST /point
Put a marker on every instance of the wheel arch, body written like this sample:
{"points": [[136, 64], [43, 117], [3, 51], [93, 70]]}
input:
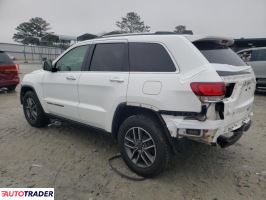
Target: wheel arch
{"points": [[123, 111], [24, 89]]}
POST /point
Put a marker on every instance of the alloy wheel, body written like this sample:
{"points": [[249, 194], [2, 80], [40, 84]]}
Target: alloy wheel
{"points": [[31, 109], [140, 147]]}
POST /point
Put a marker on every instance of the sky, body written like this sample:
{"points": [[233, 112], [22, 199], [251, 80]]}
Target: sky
{"points": [[231, 18]]}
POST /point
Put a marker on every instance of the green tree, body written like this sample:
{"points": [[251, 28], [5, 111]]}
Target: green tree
{"points": [[29, 32], [132, 24], [182, 30]]}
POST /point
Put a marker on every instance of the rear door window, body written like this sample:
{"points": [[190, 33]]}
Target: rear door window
{"points": [[4, 59], [219, 54], [149, 57]]}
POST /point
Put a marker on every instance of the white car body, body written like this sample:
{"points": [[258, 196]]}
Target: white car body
{"points": [[92, 97]]}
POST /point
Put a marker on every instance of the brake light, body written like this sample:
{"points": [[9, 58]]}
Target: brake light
{"points": [[209, 91]]}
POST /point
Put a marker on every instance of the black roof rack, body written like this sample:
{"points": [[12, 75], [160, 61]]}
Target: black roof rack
{"points": [[135, 34], [165, 33]]}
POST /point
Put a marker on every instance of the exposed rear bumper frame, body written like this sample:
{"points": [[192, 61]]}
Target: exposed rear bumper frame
{"points": [[213, 128], [226, 142]]}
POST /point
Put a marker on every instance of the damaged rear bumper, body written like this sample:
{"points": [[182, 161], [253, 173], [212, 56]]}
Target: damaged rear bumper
{"points": [[221, 132], [228, 141]]}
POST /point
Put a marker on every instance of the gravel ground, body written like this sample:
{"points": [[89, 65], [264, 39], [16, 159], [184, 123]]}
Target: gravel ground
{"points": [[74, 161]]}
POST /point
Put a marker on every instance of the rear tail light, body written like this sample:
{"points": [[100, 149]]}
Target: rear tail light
{"points": [[10, 69], [210, 91]]}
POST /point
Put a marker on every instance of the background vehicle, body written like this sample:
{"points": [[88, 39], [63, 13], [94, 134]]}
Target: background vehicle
{"points": [[256, 57], [11, 57], [147, 90], [9, 77]]}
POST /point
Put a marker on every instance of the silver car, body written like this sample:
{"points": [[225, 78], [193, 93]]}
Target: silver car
{"points": [[256, 57]]}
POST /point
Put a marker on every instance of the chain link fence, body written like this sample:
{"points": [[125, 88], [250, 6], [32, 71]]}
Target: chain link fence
{"points": [[30, 54]]}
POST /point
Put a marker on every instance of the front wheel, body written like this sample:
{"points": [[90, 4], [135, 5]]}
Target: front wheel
{"points": [[143, 145], [33, 110]]}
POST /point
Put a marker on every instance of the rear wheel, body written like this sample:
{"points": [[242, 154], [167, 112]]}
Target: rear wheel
{"points": [[143, 146], [33, 110]]}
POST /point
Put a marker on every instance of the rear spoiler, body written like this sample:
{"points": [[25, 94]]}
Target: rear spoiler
{"points": [[218, 40]]}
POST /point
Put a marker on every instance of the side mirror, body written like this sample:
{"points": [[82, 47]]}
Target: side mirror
{"points": [[48, 66]]}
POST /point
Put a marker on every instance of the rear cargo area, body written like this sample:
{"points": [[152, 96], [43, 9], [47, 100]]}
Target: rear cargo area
{"points": [[227, 116]]}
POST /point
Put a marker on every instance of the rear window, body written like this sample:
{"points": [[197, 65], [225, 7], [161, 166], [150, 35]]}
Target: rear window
{"points": [[4, 59], [219, 54]]}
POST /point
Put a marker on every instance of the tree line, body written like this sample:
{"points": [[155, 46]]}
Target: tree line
{"points": [[36, 28]]}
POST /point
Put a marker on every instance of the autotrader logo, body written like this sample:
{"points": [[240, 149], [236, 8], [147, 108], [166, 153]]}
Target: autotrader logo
{"points": [[27, 193]]}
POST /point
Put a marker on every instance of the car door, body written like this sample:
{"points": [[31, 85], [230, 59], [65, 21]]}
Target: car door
{"points": [[104, 86], [60, 90]]}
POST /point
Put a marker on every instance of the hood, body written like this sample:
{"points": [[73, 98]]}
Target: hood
{"points": [[36, 71]]}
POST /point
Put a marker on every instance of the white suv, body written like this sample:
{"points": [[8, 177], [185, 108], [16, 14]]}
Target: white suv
{"points": [[148, 91]]}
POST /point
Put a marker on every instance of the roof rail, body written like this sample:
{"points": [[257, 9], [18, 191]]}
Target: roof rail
{"points": [[165, 33], [145, 33], [124, 34]]}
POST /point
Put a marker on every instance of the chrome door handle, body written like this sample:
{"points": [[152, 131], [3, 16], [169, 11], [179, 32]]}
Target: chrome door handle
{"points": [[116, 79], [71, 78]]}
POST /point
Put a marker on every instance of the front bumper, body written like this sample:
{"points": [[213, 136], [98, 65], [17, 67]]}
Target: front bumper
{"points": [[209, 130]]}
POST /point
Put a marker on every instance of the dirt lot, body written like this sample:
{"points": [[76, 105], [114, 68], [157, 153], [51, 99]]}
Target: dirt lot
{"points": [[74, 161]]}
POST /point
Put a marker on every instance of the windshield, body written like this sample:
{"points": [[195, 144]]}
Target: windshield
{"points": [[219, 54]]}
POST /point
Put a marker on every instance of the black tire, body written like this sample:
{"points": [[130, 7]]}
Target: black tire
{"points": [[38, 119], [11, 88], [155, 131]]}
